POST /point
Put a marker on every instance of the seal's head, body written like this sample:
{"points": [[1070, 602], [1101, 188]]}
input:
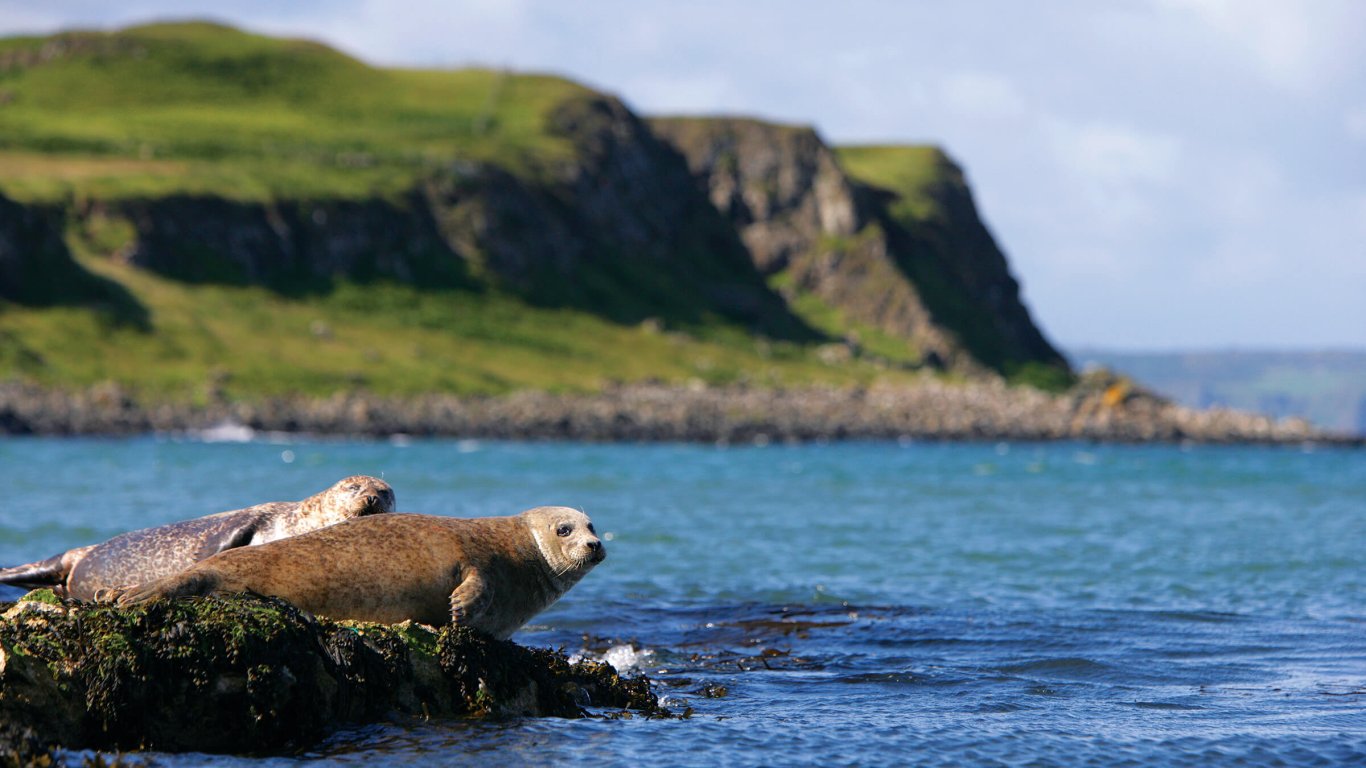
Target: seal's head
{"points": [[355, 496], [567, 541]]}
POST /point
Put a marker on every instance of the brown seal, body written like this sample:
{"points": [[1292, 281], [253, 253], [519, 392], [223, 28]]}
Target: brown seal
{"points": [[141, 556], [490, 573]]}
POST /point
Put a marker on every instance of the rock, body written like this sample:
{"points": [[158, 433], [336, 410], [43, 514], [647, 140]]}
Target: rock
{"points": [[940, 282], [252, 674], [1100, 408]]}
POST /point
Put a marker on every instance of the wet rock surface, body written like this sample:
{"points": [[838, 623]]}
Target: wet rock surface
{"points": [[254, 675]]}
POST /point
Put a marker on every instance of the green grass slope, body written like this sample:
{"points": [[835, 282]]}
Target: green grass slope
{"points": [[389, 339], [910, 170], [201, 108]]}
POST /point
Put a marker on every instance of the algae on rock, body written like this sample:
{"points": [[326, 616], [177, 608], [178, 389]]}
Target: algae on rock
{"points": [[253, 674]]}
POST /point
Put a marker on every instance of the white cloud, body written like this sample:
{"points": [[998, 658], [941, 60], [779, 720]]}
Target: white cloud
{"points": [[1355, 123], [1117, 153], [1296, 45], [979, 94], [430, 33], [1116, 180], [1242, 190], [686, 93]]}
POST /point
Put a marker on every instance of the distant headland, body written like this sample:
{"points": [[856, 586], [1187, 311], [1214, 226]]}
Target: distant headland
{"points": [[198, 224]]}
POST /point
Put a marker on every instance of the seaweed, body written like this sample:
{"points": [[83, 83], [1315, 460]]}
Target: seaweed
{"points": [[255, 675]]}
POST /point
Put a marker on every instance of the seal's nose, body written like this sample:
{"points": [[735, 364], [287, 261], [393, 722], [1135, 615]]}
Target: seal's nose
{"points": [[596, 552]]}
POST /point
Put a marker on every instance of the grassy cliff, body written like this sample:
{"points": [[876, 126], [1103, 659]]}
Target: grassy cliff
{"points": [[196, 212], [954, 260]]}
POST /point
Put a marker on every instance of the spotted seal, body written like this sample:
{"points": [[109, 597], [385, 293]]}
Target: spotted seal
{"points": [[490, 573], [145, 555]]}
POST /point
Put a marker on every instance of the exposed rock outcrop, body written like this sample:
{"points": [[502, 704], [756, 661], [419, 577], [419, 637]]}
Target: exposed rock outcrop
{"points": [[632, 235], [292, 245], [941, 283], [248, 674], [621, 231], [36, 269]]}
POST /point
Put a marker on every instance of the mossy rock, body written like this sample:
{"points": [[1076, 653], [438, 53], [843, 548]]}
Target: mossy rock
{"points": [[248, 674]]}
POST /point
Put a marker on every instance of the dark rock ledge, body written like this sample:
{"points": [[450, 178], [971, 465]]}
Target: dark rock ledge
{"points": [[255, 675]]}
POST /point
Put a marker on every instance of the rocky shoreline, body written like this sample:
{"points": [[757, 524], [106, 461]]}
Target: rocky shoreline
{"points": [[1100, 409]]}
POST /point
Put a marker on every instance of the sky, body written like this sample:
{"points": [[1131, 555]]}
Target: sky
{"points": [[1162, 174]]}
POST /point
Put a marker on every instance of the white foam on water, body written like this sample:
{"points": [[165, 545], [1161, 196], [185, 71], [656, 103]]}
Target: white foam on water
{"points": [[622, 658], [227, 431]]}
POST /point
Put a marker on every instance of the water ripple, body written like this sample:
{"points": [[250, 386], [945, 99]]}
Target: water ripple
{"points": [[861, 604]]}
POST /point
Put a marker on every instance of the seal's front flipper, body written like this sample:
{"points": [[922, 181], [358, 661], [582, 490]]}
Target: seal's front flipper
{"points": [[228, 538], [179, 585], [470, 599]]}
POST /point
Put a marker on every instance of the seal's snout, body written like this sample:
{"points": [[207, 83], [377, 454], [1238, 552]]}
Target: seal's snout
{"points": [[375, 499], [596, 552]]}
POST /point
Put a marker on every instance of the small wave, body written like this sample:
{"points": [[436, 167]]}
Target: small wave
{"points": [[882, 678], [1067, 668], [1204, 617], [1167, 705], [622, 658], [226, 431]]}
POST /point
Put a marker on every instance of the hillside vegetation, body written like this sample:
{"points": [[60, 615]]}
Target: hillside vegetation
{"points": [[389, 339], [197, 212], [201, 108]]}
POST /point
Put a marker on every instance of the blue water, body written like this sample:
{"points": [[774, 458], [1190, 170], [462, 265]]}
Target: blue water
{"points": [[860, 604]]}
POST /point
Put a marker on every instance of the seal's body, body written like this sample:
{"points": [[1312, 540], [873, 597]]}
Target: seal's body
{"points": [[152, 553], [492, 573]]}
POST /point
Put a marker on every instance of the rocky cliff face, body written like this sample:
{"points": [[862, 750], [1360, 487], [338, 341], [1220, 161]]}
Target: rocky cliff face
{"points": [[34, 263], [981, 299], [291, 245], [621, 231], [941, 284], [677, 220], [626, 227], [781, 186], [36, 269]]}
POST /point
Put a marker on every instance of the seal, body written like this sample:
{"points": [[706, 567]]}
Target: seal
{"points": [[491, 573], [151, 553]]}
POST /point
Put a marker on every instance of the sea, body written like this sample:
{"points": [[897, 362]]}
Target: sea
{"points": [[882, 603]]}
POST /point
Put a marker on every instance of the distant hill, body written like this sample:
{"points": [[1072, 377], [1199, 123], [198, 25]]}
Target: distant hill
{"points": [[194, 211], [1328, 388]]}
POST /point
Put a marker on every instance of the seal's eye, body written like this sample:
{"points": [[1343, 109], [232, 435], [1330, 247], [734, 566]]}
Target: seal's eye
{"points": [[564, 529], [591, 529]]}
